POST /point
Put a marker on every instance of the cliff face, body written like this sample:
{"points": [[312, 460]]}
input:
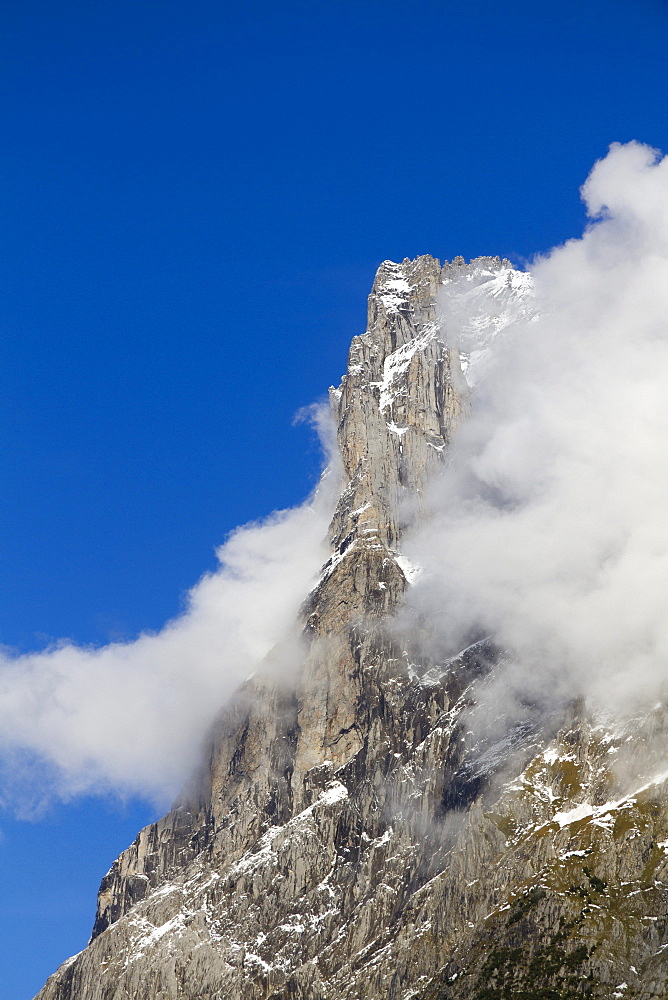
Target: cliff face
{"points": [[343, 839]]}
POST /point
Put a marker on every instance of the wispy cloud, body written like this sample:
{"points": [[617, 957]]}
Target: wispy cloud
{"points": [[130, 717]]}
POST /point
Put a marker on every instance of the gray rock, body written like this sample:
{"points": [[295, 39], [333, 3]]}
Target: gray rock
{"points": [[342, 839]]}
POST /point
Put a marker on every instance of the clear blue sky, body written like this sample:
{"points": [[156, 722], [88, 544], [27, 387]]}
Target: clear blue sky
{"points": [[195, 197]]}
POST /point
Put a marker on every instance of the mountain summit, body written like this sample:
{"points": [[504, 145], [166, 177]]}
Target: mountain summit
{"points": [[347, 835]]}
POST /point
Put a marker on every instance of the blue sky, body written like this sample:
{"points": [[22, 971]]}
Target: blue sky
{"points": [[195, 198]]}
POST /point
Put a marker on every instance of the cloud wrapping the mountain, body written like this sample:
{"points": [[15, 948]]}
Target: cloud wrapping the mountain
{"points": [[549, 526], [131, 717]]}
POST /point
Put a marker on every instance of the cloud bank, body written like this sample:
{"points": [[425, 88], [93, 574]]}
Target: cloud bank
{"points": [[129, 717], [549, 527]]}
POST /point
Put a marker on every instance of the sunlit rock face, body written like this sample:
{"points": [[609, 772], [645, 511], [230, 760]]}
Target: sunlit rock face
{"points": [[347, 836]]}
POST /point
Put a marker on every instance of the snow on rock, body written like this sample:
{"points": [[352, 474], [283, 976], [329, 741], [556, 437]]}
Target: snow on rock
{"points": [[602, 815], [397, 363], [395, 294], [392, 287], [478, 301]]}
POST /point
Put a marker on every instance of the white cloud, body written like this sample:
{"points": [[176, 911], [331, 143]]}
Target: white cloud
{"points": [[130, 717], [549, 527]]}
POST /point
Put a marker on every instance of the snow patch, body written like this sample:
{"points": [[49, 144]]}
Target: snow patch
{"points": [[603, 815], [395, 428], [397, 364], [333, 562], [478, 304], [394, 294], [336, 792]]}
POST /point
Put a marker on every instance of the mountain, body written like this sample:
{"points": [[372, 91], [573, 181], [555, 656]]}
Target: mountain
{"points": [[347, 835]]}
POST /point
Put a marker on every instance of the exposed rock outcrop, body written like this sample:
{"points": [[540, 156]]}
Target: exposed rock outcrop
{"points": [[343, 840]]}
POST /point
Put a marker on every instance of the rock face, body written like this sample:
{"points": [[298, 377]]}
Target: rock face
{"points": [[343, 840]]}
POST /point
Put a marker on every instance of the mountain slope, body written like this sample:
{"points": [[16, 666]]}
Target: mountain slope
{"points": [[346, 836]]}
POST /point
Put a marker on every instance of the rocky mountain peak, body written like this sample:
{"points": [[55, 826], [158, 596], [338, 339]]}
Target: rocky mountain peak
{"points": [[347, 836], [397, 404]]}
